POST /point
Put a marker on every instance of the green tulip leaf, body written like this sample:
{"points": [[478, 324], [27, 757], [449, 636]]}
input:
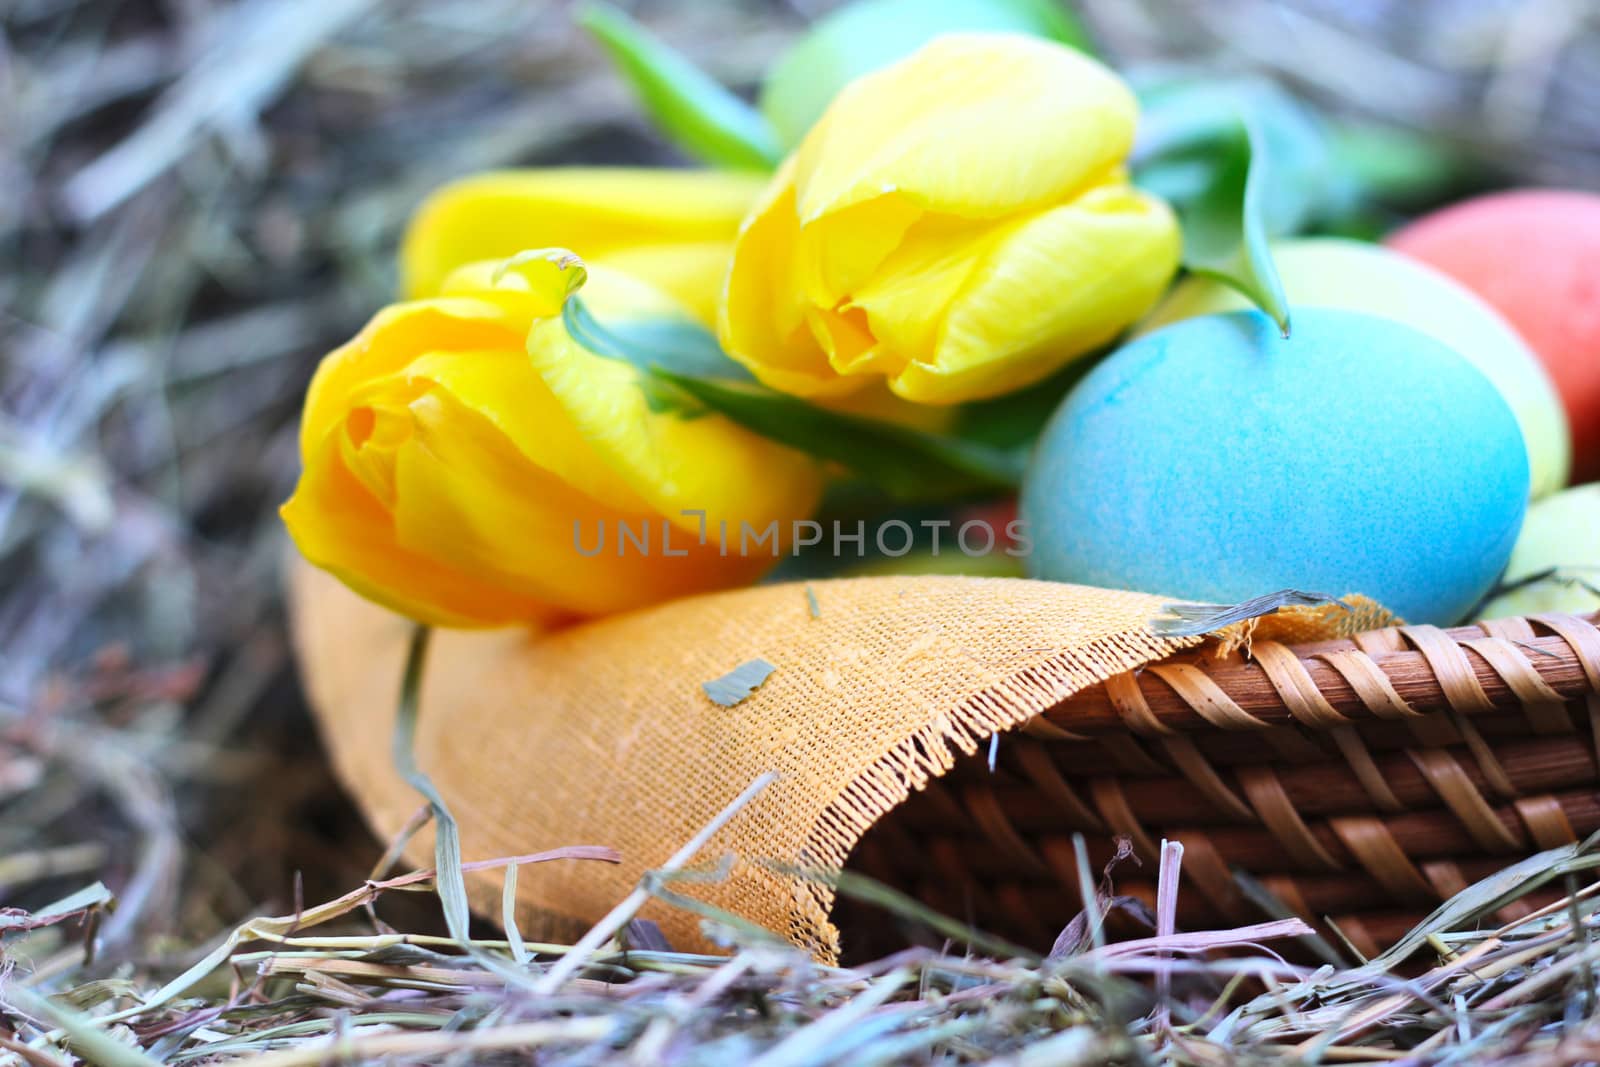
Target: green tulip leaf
{"points": [[1224, 229], [909, 464], [1242, 163], [863, 36], [686, 372], [678, 345], [1187, 120], [1015, 420], [692, 110]]}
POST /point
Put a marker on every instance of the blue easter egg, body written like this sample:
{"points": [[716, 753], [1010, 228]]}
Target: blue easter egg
{"points": [[1215, 460]]}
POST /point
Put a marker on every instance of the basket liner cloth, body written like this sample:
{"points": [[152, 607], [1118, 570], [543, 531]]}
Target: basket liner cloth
{"points": [[600, 734]]}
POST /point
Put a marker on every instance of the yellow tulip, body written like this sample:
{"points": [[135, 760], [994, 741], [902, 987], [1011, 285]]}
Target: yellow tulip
{"points": [[958, 224], [671, 228], [464, 457]]}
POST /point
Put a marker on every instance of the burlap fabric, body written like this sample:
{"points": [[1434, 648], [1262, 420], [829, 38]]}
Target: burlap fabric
{"points": [[601, 734]]}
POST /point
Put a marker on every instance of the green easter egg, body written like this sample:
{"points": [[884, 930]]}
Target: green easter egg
{"points": [[1338, 273], [1562, 531]]}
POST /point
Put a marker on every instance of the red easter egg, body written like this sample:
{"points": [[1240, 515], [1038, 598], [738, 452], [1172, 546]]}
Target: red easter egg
{"points": [[1000, 515], [1535, 255]]}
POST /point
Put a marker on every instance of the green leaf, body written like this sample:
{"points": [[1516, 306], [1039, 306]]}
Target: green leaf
{"points": [[910, 464], [679, 345], [1342, 177], [685, 371], [1016, 420], [1239, 163], [1245, 162], [1186, 118], [693, 111], [1224, 229], [448, 877], [862, 37]]}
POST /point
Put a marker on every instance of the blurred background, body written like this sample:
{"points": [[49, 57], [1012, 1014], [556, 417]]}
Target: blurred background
{"points": [[201, 197]]}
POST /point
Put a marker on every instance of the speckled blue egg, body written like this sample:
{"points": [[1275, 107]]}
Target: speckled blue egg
{"points": [[1215, 460]]}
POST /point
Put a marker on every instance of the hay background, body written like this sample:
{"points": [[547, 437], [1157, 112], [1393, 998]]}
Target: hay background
{"points": [[170, 270]]}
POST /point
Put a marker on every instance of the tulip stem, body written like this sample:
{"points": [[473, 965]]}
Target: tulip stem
{"points": [[448, 879]]}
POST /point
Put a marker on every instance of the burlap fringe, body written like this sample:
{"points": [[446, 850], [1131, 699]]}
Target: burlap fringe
{"points": [[930, 752]]}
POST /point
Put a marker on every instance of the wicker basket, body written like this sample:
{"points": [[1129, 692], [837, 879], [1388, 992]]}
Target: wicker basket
{"points": [[1359, 781]]}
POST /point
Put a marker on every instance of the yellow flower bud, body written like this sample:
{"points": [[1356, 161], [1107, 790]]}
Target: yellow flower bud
{"points": [[671, 228], [467, 463], [959, 224]]}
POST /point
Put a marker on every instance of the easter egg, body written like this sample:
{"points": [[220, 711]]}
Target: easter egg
{"points": [[1214, 460], [1561, 533], [1535, 255], [1338, 273]]}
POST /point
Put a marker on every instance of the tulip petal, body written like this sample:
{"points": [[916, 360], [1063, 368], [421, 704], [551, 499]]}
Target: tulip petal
{"points": [[704, 463], [340, 526], [545, 276], [599, 212], [501, 388], [762, 320], [1054, 286], [839, 251], [472, 498], [473, 348], [846, 337], [959, 224], [391, 340], [974, 125], [907, 300], [469, 464], [690, 273], [479, 536]]}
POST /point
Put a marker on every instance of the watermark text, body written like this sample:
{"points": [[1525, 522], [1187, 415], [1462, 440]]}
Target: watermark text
{"points": [[891, 537]]}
